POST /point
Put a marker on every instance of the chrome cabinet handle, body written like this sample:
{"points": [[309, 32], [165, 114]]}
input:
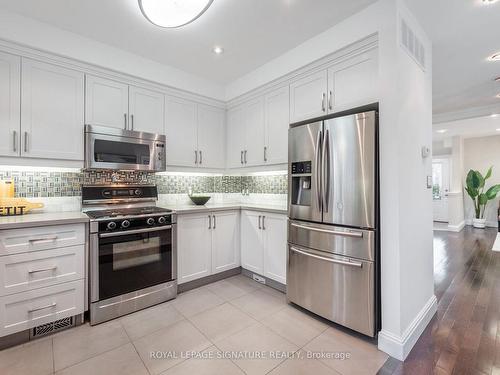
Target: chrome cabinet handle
{"points": [[25, 141], [330, 100], [215, 222], [318, 168], [132, 122], [134, 231], [53, 268], [195, 156], [260, 226], [209, 222], [264, 222], [323, 102], [125, 120], [241, 157], [265, 153], [14, 136], [325, 164], [336, 261], [41, 239], [245, 156], [333, 232], [42, 308], [201, 157]]}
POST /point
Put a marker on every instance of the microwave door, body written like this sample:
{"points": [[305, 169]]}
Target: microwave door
{"points": [[348, 164], [304, 167]]}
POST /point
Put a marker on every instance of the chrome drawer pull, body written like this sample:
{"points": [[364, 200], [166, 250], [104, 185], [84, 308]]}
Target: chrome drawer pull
{"points": [[134, 231], [336, 261], [334, 232], [42, 308], [53, 268], [40, 239]]}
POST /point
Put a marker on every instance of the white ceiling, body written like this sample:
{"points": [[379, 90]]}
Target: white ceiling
{"points": [[252, 32], [464, 33], [468, 128]]}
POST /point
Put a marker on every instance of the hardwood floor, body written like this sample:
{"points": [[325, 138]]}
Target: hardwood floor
{"points": [[464, 335]]}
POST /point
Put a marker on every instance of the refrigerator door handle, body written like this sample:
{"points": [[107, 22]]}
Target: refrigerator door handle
{"points": [[332, 232], [331, 260], [318, 168], [325, 165]]}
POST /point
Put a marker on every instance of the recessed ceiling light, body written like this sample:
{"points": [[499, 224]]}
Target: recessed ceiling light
{"points": [[498, 130], [441, 131], [495, 57], [494, 115], [487, 2], [218, 50], [173, 13]]}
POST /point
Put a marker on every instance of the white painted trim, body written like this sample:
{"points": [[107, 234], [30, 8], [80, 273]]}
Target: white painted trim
{"points": [[456, 228], [400, 346], [490, 224], [465, 113]]}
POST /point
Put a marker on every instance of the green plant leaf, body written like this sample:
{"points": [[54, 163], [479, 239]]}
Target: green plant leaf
{"points": [[488, 174], [483, 199], [474, 180], [492, 192], [472, 192]]}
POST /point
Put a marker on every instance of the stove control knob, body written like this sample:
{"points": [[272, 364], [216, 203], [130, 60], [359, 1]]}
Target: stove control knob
{"points": [[137, 192], [162, 220], [111, 225], [150, 221], [125, 224]]}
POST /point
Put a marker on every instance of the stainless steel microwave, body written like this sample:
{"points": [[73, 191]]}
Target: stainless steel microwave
{"points": [[119, 149]]}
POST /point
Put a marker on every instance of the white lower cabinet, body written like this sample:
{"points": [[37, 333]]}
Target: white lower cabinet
{"points": [[263, 244], [42, 273], [207, 244]]}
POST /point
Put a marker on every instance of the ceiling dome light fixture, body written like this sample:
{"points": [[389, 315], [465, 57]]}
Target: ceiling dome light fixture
{"points": [[218, 50], [495, 57], [173, 13]]}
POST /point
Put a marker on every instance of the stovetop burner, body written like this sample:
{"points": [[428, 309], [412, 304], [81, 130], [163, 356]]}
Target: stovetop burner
{"points": [[131, 211]]}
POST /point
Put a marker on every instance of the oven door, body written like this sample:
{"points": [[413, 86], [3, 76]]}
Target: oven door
{"points": [[133, 260], [123, 153]]}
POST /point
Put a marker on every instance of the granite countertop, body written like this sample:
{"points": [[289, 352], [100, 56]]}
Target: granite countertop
{"points": [[191, 208], [39, 219]]}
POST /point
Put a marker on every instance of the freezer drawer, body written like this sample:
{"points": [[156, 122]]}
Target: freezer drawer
{"points": [[356, 243], [337, 288]]}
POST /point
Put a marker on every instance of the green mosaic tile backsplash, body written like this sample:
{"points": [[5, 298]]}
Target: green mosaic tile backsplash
{"points": [[32, 184]]}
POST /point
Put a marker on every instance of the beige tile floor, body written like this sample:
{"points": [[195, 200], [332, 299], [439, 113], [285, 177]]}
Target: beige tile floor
{"points": [[233, 326]]}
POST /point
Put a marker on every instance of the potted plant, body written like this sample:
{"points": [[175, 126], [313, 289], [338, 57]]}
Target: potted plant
{"points": [[475, 184]]}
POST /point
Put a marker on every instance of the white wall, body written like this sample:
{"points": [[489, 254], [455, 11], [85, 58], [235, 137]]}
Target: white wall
{"points": [[39, 35], [480, 154]]}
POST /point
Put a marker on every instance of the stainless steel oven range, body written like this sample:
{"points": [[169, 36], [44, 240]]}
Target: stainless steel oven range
{"points": [[133, 250]]}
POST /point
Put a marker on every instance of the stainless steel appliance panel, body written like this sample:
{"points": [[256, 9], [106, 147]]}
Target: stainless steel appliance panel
{"points": [[337, 288], [348, 165], [356, 243], [304, 146]]}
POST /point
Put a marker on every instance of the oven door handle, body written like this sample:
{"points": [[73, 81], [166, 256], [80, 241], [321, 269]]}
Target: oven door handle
{"points": [[134, 231]]}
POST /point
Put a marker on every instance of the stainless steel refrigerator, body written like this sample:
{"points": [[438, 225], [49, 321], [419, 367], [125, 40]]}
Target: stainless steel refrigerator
{"points": [[332, 265]]}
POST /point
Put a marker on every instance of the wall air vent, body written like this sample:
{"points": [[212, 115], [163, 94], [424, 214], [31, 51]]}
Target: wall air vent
{"points": [[411, 43]]}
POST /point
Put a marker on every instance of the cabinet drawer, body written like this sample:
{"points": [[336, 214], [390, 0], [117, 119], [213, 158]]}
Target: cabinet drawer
{"points": [[27, 271], [35, 307], [14, 241]]}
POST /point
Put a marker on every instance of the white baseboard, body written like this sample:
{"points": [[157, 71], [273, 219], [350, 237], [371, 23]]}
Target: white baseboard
{"points": [[456, 228], [400, 346], [489, 224]]}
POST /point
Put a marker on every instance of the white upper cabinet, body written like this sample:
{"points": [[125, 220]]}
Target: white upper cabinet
{"points": [[10, 104], [308, 97], [277, 115], [353, 83], [51, 111], [236, 137], [106, 102], [211, 136], [225, 241], [146, 110], [181, 132], [254, 132]]}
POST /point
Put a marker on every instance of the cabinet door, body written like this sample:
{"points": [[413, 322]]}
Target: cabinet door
{"points": [[147, 110], [10, 104], [252, 250], [277, 114], [353, 83], [274, 238], [181, 124], [235, 137], [106, 102], [211, 136], [51, 111], [225, 241], [194, 250], [254, 132], [308, 97]]}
